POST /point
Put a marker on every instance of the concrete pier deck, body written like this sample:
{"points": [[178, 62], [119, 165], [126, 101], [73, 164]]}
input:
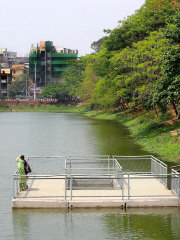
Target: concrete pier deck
{"points": [[50, 193]]}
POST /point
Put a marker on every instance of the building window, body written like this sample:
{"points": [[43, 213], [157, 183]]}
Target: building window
{"points": [[14, 71]]}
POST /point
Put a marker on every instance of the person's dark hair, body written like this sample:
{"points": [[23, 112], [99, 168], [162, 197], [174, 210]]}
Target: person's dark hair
{"points": [[22, 157]]}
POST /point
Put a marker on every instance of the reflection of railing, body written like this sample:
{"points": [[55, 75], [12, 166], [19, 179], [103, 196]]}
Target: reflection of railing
{"points": [[175, 182]]}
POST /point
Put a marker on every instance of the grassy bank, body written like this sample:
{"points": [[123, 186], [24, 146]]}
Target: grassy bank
{"points": [[151, 131], [43, 108]]}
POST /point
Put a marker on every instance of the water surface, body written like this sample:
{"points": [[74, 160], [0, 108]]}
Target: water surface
{"points": [[66, 134]]}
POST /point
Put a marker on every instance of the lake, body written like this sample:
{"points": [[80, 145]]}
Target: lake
{"points": [[66, 134]]}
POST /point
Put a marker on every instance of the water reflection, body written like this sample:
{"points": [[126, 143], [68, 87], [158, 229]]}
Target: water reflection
{"points": [[158, 223]]}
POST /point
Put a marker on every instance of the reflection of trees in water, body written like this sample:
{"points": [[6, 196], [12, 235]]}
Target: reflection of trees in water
{"points": [[100, 224], [143, 225], [113, 138]]}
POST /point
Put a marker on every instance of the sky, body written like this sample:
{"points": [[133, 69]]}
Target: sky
{"points": [[73, 24]]}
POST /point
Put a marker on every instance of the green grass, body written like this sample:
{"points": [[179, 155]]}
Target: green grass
{"points": [[44, 108], [148, 131]]}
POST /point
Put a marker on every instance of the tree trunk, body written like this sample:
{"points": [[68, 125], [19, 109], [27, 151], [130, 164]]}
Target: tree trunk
{"points": [[175, 109]]}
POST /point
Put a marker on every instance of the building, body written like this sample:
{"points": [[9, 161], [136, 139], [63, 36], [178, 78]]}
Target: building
{"points": [[9, 58], [5, 76], [18, 69], [48, 62], [8, 54]]}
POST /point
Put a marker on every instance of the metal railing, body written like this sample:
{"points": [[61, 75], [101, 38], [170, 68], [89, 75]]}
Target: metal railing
{"points": [[92, 165], [98, 176], [143, 164], [16, 189], [93, 186], [158, 167], [134, 164], [175, 182]]}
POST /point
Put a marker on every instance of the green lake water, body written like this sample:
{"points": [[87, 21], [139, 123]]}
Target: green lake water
{"points": [[66, 134]]}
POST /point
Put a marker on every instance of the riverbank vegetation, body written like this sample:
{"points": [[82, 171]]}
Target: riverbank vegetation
{"points": [[71, 108], [152, 130]]}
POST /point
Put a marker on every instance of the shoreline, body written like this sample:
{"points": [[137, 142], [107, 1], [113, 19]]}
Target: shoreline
{"points": [[157, 134]]}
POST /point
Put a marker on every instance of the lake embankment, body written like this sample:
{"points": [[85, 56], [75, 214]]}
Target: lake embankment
{"points": [[156, 133]]}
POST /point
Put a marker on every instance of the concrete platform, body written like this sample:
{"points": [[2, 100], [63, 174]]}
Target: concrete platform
{"points": [[50, 193], [57, 203]]}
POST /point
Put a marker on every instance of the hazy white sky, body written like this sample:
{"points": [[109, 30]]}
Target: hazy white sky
{"points": [[73, 24]]}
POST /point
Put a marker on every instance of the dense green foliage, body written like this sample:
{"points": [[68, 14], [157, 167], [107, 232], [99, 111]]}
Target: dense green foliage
{"points": [[136, 64], [19, 86], [68, 86], [150, 17], [168, 87], [96, 45], [55, 90]]}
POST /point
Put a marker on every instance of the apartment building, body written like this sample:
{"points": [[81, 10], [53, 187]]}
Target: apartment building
{"points": [[18, 69], [47, 62]]}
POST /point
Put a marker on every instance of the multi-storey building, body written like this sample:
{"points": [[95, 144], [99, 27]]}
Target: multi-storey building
{"points": [[48, 62], [9, 58], [18, 69], [7, 54], [5, 76]]}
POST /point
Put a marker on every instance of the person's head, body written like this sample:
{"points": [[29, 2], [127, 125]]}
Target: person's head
{"points": [[22, 157]]}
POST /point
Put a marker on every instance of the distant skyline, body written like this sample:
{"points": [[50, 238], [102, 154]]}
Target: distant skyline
{"points": [[73, 24]]}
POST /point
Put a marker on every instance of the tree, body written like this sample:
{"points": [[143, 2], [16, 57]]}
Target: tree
{"points": [[19, 86], [168, 87], [74, 76], [96, 45], [126, 76], [150, 17], [56, 90]]}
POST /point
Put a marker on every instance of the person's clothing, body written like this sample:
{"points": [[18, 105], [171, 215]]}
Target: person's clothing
{"points": [[23, 179], [27, 168]]}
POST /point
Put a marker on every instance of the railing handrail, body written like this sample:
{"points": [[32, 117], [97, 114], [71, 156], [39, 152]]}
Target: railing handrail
{"points": [[97, 174], [140, 156], [159, 161], [174, 172], [46, 157]]}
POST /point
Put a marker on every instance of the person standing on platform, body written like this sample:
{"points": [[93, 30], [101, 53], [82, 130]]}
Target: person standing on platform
{"points": [[23, 179]]}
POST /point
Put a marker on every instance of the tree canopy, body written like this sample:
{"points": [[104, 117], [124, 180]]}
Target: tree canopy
{"points": [[19, 86], [136, 64]]}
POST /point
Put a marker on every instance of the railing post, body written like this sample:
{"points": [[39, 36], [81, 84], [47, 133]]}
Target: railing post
{"points": [[151, 165], [71, 181], [65, 186], [122, 187], [128, 186], [13, 186], [178, 185], [65, 165], [172, 181]]}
